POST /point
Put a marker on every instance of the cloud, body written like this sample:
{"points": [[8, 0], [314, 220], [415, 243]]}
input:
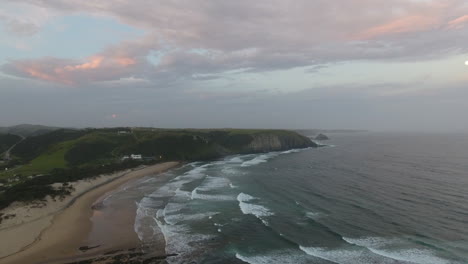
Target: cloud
{"points": [[207, 38], [70, 72], [19, 27], [402, 25], [23, 19], [459, 22]]}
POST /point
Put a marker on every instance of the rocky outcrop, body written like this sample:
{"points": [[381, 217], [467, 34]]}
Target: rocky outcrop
{"points": [[322, 137], [284, 140]]}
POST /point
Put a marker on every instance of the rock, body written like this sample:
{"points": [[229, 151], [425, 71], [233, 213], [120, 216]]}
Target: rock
{"points": [[321, 137], [266, 142], [86, 248]]}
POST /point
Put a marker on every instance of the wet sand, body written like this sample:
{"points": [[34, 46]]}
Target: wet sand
{"points": [[69, 230]]}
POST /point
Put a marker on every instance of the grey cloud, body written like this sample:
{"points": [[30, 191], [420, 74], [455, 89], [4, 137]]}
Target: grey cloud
{"points": [[19, 27]]}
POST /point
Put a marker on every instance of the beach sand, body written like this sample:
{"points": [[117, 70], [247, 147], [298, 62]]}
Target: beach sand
{"points": [[55, 232]]}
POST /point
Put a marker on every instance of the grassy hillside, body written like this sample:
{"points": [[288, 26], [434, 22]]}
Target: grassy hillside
{"points": [[66, 154], [27, 130], [8, 140], [66, 148]]}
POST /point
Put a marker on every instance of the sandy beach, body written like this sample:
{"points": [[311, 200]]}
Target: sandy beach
{"points": [[54, 232]]}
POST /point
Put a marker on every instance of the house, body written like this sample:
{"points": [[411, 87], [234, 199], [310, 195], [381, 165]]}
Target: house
{"points": [[123, 132], [136, 156], [132, 156]]}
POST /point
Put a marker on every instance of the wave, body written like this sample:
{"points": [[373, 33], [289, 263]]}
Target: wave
{"points": [[180, 241], [314, 215], [212, 197], [242, 197], [291, 151], [235, 159], [262, 158], [257, 160], [405, 251], [256, 210], [213, 183], [178, 218], [279, 256], [232, 170], [346, 255]]}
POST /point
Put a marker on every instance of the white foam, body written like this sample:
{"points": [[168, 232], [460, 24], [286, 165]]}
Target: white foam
{"points": [[213, 183], [235, 160], [179, 237], [258, 211], [291, 151], [313, 215], [181, 193], [419, 256], [173, 208], [230, 171], [178, 218], [242, 197], [262, 158], [144, 220], [283, 257], [257, 160], [255, 209], [343, 256], [406, 252], [211, 197]]}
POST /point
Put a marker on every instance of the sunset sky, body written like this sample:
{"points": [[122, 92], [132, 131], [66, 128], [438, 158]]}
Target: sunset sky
{"points": [[357, 64]]}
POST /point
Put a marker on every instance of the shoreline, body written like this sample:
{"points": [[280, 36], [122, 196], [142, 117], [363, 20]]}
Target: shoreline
{"points": [[73, 220]]}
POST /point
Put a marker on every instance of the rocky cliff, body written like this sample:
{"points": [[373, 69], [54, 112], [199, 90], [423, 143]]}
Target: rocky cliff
{"points": [[277, 141]]}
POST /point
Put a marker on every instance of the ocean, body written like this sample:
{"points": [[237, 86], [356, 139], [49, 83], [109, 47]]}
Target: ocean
{"points": [[363, 198]]}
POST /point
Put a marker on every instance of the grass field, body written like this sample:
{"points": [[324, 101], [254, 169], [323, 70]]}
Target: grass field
{"points": [[53, 158]]}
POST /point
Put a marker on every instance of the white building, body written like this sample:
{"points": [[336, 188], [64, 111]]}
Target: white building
{"points": [[136, 156]]}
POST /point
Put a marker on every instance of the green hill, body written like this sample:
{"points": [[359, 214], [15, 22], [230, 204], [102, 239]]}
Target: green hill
{"points": [[7, 141], [27, 130], [67, 155]]}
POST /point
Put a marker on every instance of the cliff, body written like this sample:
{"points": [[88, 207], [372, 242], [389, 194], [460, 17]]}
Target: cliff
{"points": [[277, 141]]}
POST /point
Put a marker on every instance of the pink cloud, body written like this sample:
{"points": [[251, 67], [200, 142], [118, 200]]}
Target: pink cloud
{"points": [[401, 25], [39, 74], [96, 68], [94, 63], [125, 61], [458, 22]]}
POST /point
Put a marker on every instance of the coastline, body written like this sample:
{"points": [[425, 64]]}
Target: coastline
{"points": [[59, 235]]}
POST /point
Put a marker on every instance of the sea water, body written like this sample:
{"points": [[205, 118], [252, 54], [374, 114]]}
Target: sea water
{"points": [[363, 198]]}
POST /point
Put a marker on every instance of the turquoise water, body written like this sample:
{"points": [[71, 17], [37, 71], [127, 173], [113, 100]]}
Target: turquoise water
{"points": [[366, 198]]}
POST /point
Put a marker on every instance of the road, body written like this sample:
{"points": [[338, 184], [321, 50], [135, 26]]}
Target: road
{"points": [[6, 154]]}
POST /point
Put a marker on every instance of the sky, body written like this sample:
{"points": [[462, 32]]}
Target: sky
{"points": [[397, 65]]}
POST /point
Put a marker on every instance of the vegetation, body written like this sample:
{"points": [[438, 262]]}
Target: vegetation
{"points": [[27, 130], [38, 188], [66, 155], [32, 147], [8, 140]]}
